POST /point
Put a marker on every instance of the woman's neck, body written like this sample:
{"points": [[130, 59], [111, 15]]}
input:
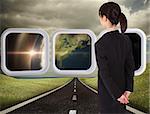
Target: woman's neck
{"points": [[112, 28]]}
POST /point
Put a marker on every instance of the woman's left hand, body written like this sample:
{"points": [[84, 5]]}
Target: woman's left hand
{"points": [[123, 99]]}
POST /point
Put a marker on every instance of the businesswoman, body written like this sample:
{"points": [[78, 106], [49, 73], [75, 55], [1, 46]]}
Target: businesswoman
{"points": [[114, 60]]}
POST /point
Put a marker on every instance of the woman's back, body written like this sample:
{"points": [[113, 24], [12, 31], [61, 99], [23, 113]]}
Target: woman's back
{"points": [[115, 46]]}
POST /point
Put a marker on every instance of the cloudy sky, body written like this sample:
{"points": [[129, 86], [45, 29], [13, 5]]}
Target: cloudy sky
{"points": [[74, 14]]}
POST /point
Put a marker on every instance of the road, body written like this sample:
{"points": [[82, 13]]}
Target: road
{"points": [[71, 99]]}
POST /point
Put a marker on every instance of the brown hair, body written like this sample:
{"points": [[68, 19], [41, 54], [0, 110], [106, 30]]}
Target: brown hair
{"points": [[113, 12]]}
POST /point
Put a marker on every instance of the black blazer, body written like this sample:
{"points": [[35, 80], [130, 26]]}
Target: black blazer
{"points": [[115, 63]]}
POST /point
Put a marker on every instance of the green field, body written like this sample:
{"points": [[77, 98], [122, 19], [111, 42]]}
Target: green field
{"points": [[14, 90], [140, 97]]}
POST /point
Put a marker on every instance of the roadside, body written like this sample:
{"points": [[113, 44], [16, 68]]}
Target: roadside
{"points": [[13, 90]]}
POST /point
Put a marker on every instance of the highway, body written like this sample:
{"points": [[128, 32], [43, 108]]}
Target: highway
{"points": [[73, 98]]}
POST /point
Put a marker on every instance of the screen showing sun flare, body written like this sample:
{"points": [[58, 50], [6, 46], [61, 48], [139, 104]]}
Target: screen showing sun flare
{"points": [[24, 51]]}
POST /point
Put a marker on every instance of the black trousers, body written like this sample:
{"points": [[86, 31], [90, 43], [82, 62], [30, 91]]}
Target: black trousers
{"points": [[112, 107], [107, 104]]}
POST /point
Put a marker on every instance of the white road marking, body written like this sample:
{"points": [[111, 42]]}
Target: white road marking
{"points": [[73, 112], [31, 100], [75, 83], [74, 97], [75, 86], [127, 107], [74, 90], [134, 110]]}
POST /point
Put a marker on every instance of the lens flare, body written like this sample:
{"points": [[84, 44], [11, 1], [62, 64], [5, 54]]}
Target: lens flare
{"points": [[32, 53]]}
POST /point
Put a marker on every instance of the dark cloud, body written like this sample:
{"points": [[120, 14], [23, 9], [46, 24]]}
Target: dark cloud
{"points": [[54, 14], [134, 5], [49, 14]]}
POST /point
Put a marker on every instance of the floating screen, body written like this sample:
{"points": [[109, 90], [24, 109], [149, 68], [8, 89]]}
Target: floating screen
{"points": [[73, 52], [24, 52]]}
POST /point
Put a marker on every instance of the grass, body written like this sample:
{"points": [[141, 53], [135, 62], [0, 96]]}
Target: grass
{"points": [[14, 90], [140, 97]]}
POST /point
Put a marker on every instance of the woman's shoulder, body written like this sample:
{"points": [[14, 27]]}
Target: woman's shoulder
{"points": [[108, 34], [103, 38], [117, 34], [106, 38], [102, 41]]}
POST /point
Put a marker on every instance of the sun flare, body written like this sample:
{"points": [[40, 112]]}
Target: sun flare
{"points": [[32, 52]]}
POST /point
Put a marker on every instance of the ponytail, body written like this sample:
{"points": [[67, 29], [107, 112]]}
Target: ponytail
{"points": [[123, 22], [113, 12]]}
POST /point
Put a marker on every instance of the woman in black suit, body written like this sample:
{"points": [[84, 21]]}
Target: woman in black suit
{"points": [[114, 60]]}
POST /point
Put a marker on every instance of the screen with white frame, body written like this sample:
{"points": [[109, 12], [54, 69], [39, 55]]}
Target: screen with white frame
{"points": [[73, 51], [24, 52]]}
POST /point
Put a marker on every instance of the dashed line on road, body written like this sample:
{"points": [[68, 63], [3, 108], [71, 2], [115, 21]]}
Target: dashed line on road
{"points": [[74, 97], [75, 83], [73, 112], [74, 90]]}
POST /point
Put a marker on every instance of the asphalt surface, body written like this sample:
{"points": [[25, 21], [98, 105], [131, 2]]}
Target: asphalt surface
{"points": [[74, 98]]}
